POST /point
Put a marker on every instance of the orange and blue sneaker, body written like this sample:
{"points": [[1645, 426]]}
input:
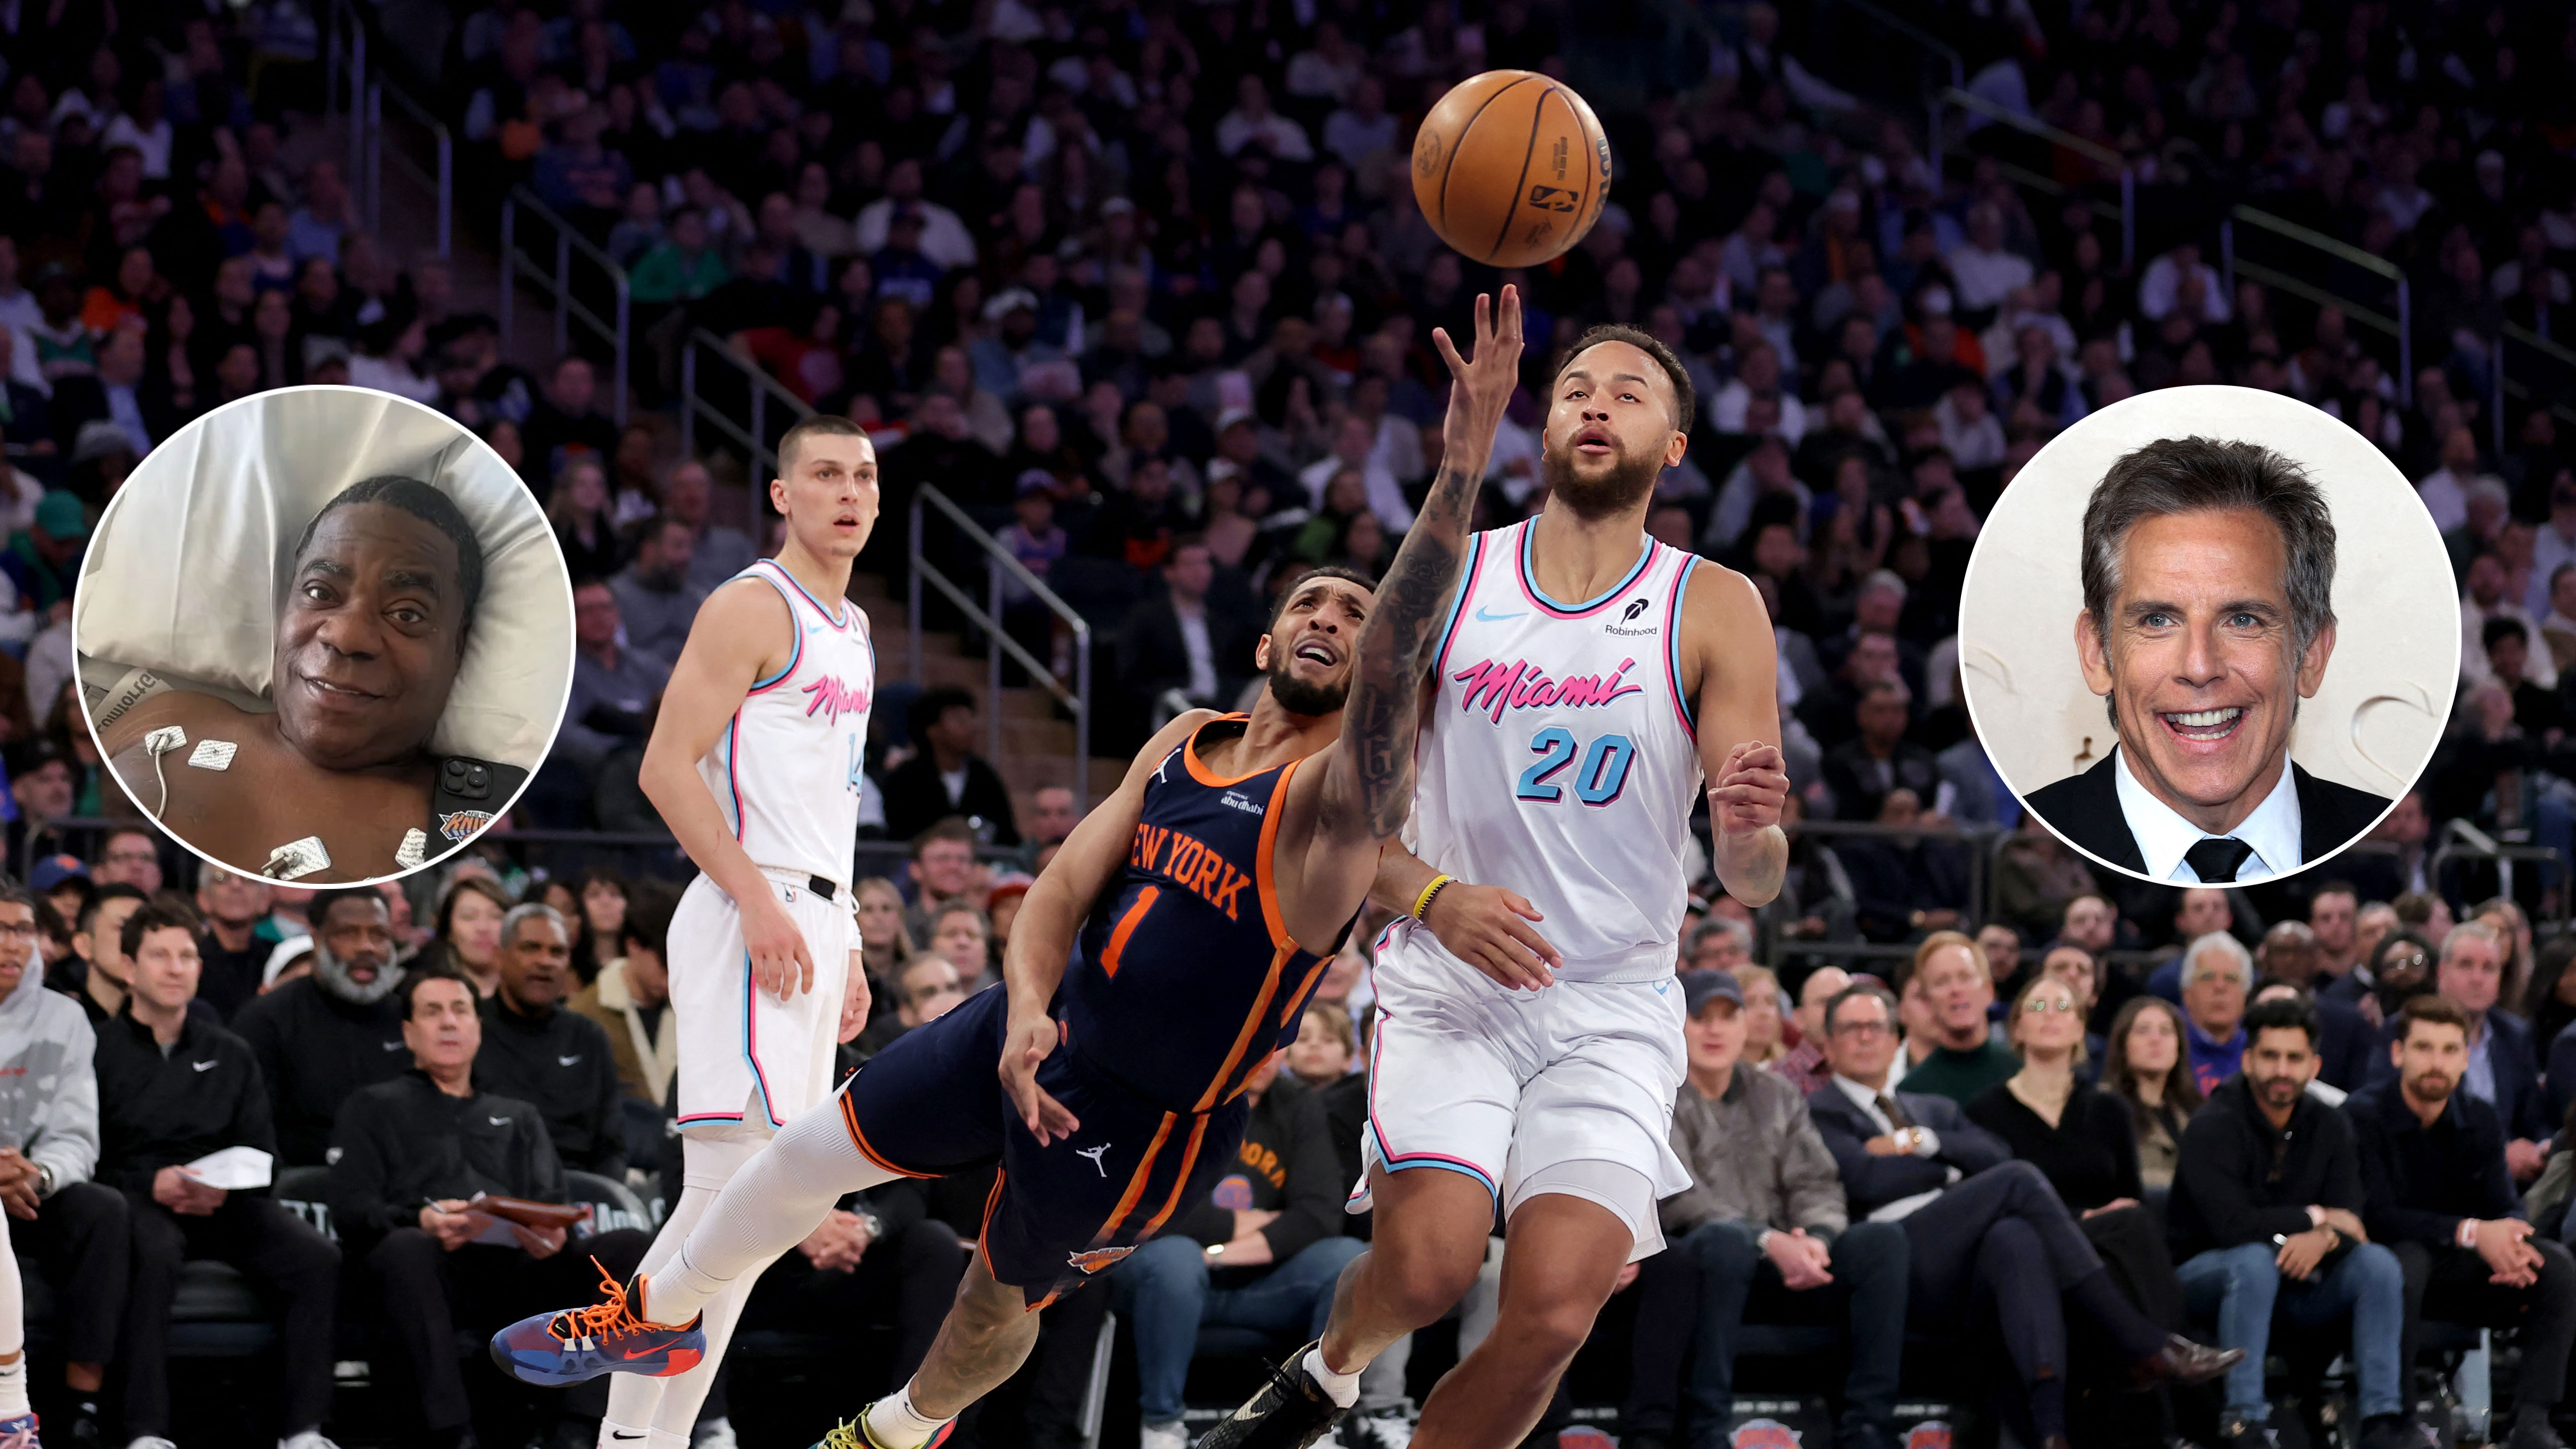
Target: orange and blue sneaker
{"points": [[855, 1434], [19, 1433], [568, 1347]]}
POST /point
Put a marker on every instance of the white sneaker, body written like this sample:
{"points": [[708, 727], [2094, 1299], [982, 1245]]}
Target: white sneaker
{"points": [[1173, 1435], [712, 1434], [148, 1442], [309, 1439], [1390, 1428]]}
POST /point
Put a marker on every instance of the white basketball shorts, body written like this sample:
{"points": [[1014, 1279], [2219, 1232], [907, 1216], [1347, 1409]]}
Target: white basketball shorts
{"points": [[1568, 1090], [747, 1057]]}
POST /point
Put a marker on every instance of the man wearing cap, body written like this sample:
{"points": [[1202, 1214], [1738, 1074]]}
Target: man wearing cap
{"points": [[321, 1039], [1002, 357], [943, 239], [1178, 642], [1238, 442], [1762, 1234], [40, 787], [43, 559]]}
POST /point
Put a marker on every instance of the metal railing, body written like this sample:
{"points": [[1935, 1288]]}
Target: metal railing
{"points": [[2550, 390], [2100, 155], [2462, 841], [998, 565], [1933, 47], [357, 91], [2401, 326], [752, 437], [344, 60], [559, 284]]}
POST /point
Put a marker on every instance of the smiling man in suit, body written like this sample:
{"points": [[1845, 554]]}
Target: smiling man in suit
{"points": [[2208, 614]]}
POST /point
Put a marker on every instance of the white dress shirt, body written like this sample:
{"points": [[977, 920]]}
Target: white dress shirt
{"points": [[2163, 835], [1927, 1143]]}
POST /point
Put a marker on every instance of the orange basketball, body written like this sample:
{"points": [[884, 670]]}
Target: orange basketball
{"points": [[1511, 168]]}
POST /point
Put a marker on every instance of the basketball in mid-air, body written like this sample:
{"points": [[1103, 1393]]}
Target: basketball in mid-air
{"points": [[1511, 168]]}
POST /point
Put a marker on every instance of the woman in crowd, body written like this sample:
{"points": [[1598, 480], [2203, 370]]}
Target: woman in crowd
{"points": [[2549, 1003], [565, 897], [2080, 1138], [1762, 1025], [469, 931], [603, 907], [579, 513], [2515, 928], [884, 945], [2143, 1066]]}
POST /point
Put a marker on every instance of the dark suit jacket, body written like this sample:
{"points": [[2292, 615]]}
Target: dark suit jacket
{"points": [[915, 800], [1853, 777], [2345, 1045], [1870, 1183], [2519, 1102], [1153, 657], [2562, 1076], [2085, 810], [79, 400]]}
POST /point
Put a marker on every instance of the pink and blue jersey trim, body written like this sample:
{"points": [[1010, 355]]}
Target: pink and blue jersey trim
{"points": [[1387, 1156], [1538, 597], [1673, 645], [780, 574], [1458, 610]]}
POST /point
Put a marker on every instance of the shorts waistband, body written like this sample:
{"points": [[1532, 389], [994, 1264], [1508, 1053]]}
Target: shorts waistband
{"points": [[823, 886], [1641, 964]]}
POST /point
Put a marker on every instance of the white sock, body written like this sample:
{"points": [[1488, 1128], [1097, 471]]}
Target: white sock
{"points": [[896, 1424], [13, 1390], [662, 1438], [1345, 1388], [770, 1206]]}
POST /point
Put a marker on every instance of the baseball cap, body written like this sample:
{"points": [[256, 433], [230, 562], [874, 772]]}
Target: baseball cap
{"points": [[1699, 988], [1034, 481], [53, 870], [284, 956], [1010, 300], [60, 515], [31, 754], [1231, 416]]}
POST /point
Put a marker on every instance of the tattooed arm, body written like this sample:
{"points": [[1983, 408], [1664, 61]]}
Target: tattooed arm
{"points": [[1366, 789]]}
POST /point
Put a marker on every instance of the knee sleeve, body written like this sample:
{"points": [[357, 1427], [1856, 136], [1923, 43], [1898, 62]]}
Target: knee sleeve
{"points": [[711, 1154]]}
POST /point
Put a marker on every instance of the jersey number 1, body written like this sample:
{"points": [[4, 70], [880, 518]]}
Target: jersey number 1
{"points": [[1598, 781]]}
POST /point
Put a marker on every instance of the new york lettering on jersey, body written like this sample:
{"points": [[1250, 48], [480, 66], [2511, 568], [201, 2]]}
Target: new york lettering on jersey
{"points": [[1186, 977], [799, 731], [1560, 759]]}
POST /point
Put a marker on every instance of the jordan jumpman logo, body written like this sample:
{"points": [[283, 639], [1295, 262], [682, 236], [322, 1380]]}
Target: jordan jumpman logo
{"points": [[1095, 1154]]}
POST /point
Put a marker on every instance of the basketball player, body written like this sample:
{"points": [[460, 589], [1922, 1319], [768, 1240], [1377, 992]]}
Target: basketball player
{"points": [[754, 765], [1588, 680], [1198, 908]]}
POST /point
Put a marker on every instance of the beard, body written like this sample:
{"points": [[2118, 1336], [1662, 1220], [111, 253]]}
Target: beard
{"points": [[332, 975], [1625, 486], [1313, 701], [2431, 1087]]}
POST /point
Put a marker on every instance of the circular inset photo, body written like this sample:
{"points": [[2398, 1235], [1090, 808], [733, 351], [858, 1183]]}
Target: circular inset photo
{"points": [[324, 635], [2209, 635]]}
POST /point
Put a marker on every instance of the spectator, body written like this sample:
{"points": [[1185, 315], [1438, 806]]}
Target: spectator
{"points": [[1761, 1234], [1965, 1059], [2218, 974], [412, 1155], [563, 425], [1878, 759], [232, 905], [716, 553], [2266, 1218], [2502, 1071], [2437, 1192], [580, 512], [961, 935], [1053, 817], [1262, 1251], [615, 686], [1978, 1226], [945, 778], [925, 989], [1905, 884], [97, 937], [885, 942], [2445, 490], [468, 938], [1184, 642], [2332, 909], [129, 857], [122, 392], [631, 999], [73, 1226], [943, 869], [2082, 974], [174, 1089], [1804, 1066], [656, 603], [2143, 1065], [324, 1036], [556, 1061]]}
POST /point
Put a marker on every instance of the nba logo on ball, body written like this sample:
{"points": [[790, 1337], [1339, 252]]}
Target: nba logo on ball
{"points": [[1930, 1434], [1765, 1434], [1499, 168]]}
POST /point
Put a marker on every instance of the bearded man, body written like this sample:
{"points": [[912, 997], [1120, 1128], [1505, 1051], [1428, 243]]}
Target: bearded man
{"points": [[324, 1037]]}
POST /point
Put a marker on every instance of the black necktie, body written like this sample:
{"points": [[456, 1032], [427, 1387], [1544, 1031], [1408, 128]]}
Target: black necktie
{"points": [[1897, 1121], [2217, 859]]}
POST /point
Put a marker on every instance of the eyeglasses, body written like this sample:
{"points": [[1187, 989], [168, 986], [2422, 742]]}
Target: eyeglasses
{"points": [[26, 932], [1853, 1028], [2402, 963], [2035, 1006]]}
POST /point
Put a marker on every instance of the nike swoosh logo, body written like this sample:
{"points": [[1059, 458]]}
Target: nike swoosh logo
{"points": [[500, 1121], [203, 1066], [393, 1046], [1663, 988], [613, 1434], [1486, 615], [568, 1061]]}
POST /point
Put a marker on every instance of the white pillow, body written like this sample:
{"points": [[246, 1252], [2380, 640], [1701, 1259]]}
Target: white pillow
{"points": [[183, 574]]}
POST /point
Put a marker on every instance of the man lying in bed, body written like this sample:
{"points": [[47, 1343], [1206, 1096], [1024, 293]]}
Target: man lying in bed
{"points": [[336, 785]]}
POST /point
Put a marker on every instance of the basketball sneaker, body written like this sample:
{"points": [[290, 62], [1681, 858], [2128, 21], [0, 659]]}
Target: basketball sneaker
{"points": [[1291, 1411], [855, 1434], [567, 1347], [19, 1433]]}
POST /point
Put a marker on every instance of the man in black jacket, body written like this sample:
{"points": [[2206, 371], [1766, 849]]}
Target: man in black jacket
{"points": [[945, 776], [2437, 1192], [2265, 1218], [174, 1088], [412, 1155], [321, 1037], [1263, 1250], [537, 1052], [1185, 640], [98, 950], [1978, 1225]]}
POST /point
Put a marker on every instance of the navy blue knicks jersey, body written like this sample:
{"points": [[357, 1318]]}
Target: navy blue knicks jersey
{"points": [[1185, 977]]}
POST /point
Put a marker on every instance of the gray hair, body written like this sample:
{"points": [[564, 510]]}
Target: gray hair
{"points": [[2467, 931], [530, 911], [1722, 926], [2225, 945], [1887, 580], [2199, 475]]}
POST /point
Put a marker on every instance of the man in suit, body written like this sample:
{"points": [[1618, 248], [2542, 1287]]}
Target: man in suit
{"points": [[1184, 640], [2208, 614], [1979, 1225], [2503, 1070], [120, 392], [945, 777], [1862, 770]]}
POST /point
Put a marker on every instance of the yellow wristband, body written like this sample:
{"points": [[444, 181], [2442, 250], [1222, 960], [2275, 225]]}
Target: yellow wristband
{"points": [[1422, 902]]}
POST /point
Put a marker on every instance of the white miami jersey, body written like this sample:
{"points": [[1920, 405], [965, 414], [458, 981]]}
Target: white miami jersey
{"points": [[786, 771], [1559, 759]]}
